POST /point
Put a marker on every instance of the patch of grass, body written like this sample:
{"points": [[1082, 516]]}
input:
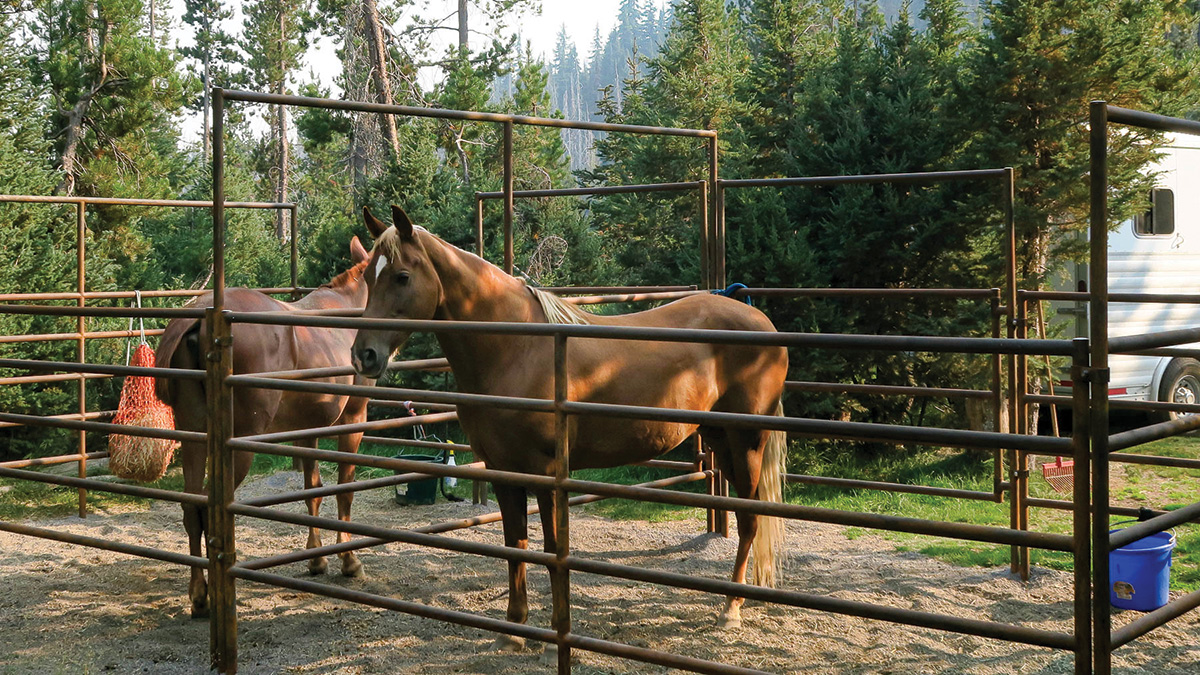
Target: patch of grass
{"points": [[1138, 485]]}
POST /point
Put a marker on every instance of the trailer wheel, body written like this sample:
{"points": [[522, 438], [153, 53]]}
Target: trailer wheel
{"points": [[1180, 384]]}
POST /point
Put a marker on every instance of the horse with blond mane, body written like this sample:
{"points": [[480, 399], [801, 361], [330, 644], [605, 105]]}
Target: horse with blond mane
{"points": [[413, 274], [261, 348]]}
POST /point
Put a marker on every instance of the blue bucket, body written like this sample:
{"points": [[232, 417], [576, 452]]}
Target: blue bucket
{"points": [[1141, 572]]}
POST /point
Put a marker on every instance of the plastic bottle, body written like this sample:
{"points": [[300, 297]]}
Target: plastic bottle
{"points": [[450, 481]]}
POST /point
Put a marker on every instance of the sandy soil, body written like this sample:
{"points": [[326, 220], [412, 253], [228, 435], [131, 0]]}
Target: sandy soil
{"points": [[67, 609]]}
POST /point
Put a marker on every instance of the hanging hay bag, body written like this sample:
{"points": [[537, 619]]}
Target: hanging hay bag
{"points": [[137, 457]]}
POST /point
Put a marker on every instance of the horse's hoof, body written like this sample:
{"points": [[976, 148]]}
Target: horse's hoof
{"points": [[353, 569], [199, 611], [508, 643], [726, 622], [317, 566]]}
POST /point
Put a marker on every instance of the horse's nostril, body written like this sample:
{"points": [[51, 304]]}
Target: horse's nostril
{"points": [[369, 358]]}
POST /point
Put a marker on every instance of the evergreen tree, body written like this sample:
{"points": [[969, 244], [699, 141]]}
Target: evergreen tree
{"points": [[1038, 65], [108, 83], [37, 250], [692, 84], [214, 55], [274, 39]]}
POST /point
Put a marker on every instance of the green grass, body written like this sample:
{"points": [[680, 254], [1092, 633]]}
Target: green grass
{"points": [[27, 499], [1132, 485]]}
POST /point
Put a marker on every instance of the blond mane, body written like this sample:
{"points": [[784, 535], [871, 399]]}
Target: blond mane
{"points": [[558, 310], [388, 244]]}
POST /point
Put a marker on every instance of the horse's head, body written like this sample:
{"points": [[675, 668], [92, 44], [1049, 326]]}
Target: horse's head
{"points": [[401, 284]]}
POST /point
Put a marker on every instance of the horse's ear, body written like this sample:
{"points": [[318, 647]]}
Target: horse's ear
{"points": [[374, 225], [357, 252], [403, 225]]}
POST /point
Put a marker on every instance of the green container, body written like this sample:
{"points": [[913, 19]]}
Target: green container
{"points": [[424, 491]]}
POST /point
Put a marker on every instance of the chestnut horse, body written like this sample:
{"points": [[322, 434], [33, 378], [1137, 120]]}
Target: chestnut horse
{"points": [[413, 274], [261, 348]]}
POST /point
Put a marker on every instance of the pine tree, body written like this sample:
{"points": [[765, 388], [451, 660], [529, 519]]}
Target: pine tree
{"points": [[107, 82], [214, 51], [1039, 64], [274, 39]]}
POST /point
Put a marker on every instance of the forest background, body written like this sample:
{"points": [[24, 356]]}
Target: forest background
{"points": [[95, 93]]}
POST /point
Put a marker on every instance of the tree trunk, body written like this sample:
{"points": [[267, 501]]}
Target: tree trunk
{"points": [[463, 44], [379, 74], [206, 104], [281, 167], [73, 131]]}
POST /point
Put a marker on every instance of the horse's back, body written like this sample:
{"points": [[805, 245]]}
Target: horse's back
{"points": [[703, 310]]}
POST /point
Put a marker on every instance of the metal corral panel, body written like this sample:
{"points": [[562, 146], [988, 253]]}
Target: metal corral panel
{"points": [[1166, 263]]}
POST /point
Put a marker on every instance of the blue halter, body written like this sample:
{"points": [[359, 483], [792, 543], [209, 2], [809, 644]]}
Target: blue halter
{"points": [[731, 290]]}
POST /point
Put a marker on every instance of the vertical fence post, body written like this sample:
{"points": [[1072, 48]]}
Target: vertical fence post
{"points": [[221, 547], [294, 229], [508, 197], [479, 225], [1098, 329], [718, 230], [561, 580], [1081, 485], [705, 257], [1010, 291], [1020, 470], [81, 327], [997, 399], [219, 365], [218, 188]]}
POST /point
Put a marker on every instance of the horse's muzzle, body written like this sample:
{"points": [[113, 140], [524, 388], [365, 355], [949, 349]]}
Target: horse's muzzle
{"points": [[367, 362]]}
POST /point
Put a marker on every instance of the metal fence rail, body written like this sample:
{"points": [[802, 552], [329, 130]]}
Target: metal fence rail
{"points": [[1091, 643]]}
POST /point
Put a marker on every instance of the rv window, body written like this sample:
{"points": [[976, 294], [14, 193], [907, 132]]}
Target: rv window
{"points": [[1160, 219]]}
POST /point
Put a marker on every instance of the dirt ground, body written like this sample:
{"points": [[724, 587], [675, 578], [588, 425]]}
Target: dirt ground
{"points": [[66, 609]]}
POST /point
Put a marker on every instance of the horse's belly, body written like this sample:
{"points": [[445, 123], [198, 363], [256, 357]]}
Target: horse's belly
{"points": [[598, 443]]}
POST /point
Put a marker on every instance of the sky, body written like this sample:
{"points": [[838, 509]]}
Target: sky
{"points": [[539, 30]]}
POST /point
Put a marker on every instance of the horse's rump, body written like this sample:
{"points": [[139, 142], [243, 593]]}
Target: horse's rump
{"points": [[180, 340]]}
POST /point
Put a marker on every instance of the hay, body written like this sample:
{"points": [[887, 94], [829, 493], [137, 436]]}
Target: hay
{"points": [[141, 458]]}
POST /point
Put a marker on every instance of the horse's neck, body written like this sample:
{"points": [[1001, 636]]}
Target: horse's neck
{"points": [[350, 295], [475, 290]]}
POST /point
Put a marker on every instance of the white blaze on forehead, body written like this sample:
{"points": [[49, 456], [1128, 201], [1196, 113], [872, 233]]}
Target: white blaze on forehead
{"points": [[380, 265]]}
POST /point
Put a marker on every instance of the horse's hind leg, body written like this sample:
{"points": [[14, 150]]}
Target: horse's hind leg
{"points": [[514, 512], [312, 479], [739, 453], [351, 567], [193, 456]]}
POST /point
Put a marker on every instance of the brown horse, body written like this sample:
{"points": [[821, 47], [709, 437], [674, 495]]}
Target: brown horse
{"points": [[261, 348], [414, 275]]}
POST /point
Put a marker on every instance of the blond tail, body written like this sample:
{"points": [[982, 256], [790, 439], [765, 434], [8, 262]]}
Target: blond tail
{"points": [[768, 543]]}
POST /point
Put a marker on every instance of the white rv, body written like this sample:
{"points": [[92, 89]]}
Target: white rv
{"points": [[1155, 252]]}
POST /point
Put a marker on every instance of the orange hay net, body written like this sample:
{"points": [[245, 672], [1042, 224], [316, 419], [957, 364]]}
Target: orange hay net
{"points": [[137, 457]]}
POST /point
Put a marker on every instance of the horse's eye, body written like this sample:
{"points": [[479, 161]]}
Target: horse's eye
{"points": [[402, 278]]}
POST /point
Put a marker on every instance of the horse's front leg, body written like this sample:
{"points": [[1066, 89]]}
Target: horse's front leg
{"points": [[312, 479], [351, 566], [513, 511], [559, 579]]}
